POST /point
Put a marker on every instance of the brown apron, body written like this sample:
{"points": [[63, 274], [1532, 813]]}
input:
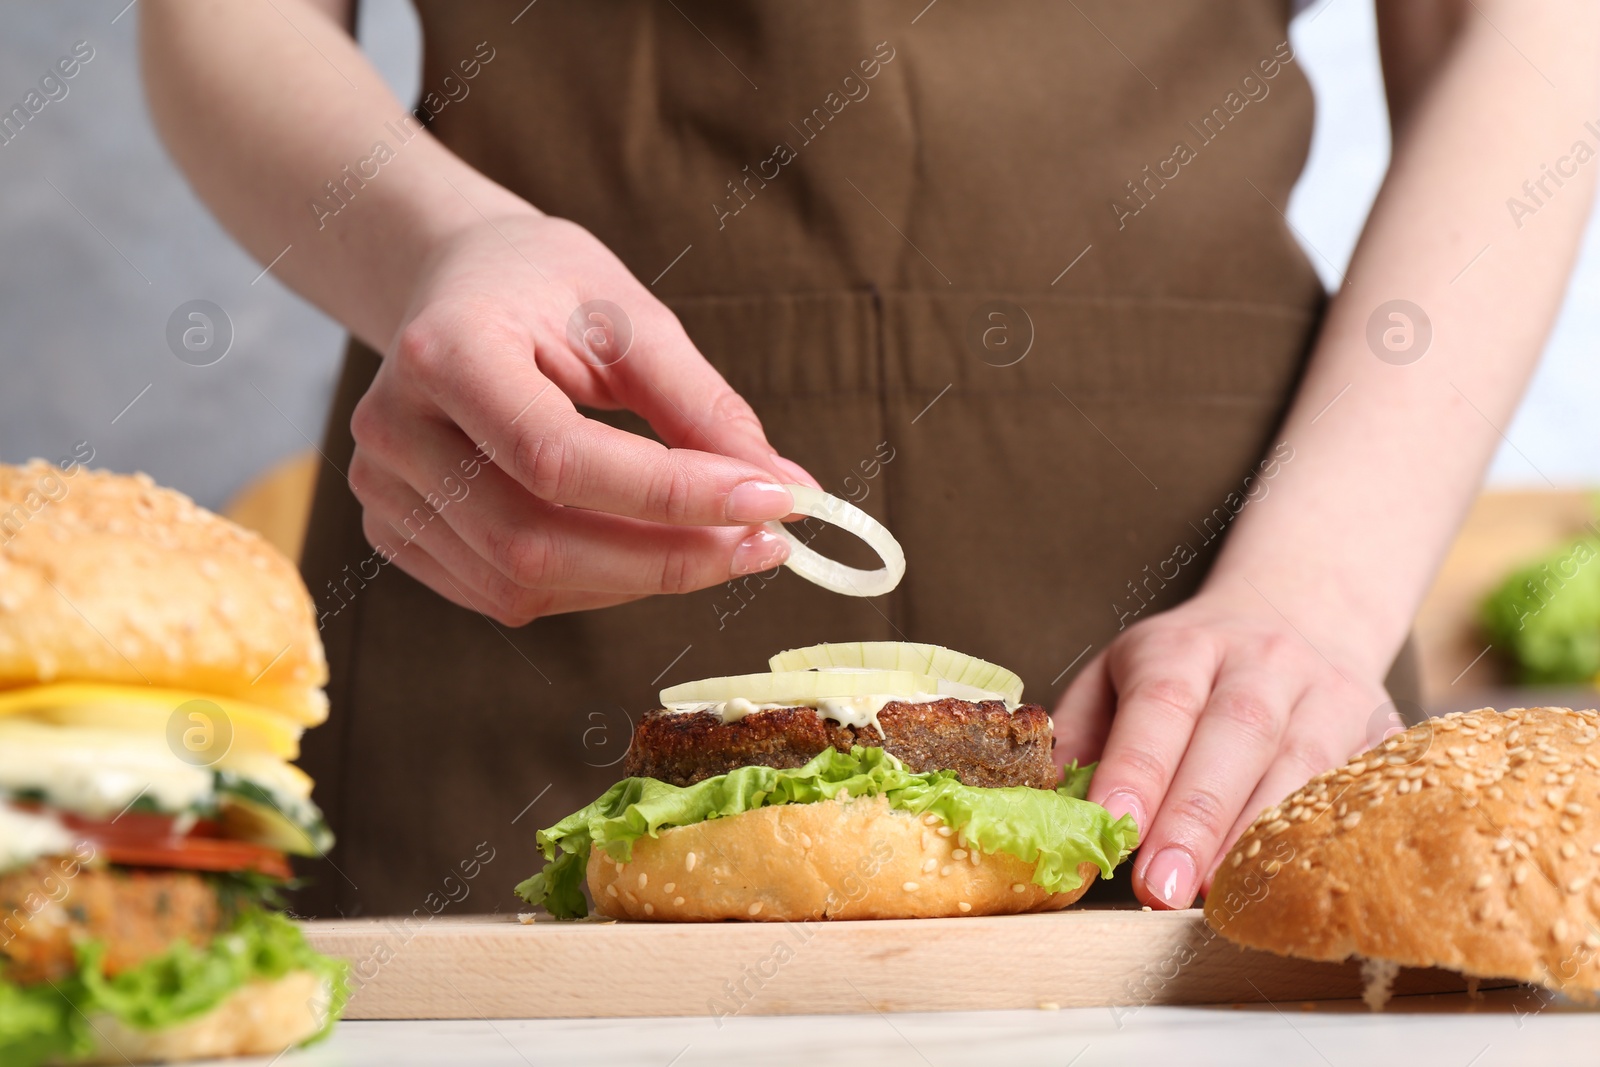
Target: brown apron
{"points": [[1012, 275]]}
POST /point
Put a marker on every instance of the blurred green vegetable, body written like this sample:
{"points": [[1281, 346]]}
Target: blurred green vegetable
{"points": [[1546, 615]]}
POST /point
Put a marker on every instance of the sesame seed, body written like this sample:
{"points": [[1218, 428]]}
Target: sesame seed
{"points": [[1505, 920], [1468, 782], [628, 893], [1573, 809], [1519, 875], [1349, 821], [1236, 859], [1017, 887], [644, 879], [930, 818], [944, 872], [958, 854], [1252, 848], [910, 887], [1553, 798], [611, 891], [805, 840], [1567, 825], [1502, 844], [689, 861], [963, 905], [944, 831], [1273, 829], [1559, 928], [669, 887], [974, 857], [678, 901], [1577, 884], [1495, 792], [1483, 881], [929, 864], [1568, 850], [649, 909], [755, 909]]}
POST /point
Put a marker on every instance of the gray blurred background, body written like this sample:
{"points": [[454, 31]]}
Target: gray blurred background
{"points": [[103, 240]]}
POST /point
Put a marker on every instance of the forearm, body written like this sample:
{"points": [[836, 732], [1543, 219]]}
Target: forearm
{"points": [[1354, 527], [261, 122]]}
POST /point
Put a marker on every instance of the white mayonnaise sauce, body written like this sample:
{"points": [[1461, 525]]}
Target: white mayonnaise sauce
{"points": [[97, 772], [25, 836], [856, 711]]}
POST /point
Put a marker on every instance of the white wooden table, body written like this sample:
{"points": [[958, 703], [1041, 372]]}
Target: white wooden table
{"points": [[1509, 1026]]}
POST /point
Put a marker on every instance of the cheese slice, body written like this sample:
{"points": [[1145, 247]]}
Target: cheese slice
{"points": [[149, 710]]}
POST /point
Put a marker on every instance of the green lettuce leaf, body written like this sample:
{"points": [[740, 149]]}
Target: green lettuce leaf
{"points": [[1054, 829], [48, 1021], [1546, 615]]}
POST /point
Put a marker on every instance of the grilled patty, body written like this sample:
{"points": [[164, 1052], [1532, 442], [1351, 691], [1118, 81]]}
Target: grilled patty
{"points": [[985, 744], [47, 908]]}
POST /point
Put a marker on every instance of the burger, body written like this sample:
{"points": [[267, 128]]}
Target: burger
{"points": [[1469, 842], [158, 665], [876, 780]]}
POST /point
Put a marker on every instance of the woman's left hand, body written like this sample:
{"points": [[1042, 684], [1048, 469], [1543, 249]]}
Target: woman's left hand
{"points": [[1205, 715]]}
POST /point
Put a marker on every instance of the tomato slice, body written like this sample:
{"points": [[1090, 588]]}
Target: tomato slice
{"points": [[141, 839]]}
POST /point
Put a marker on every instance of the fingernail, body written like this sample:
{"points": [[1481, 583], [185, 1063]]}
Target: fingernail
{"points": [[1120, 802], [797, 474], [757, 502], [1171, 877], [760, 551]]}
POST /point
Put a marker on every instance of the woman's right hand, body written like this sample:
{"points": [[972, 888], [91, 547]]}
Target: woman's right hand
{"points": [[481, 479]]}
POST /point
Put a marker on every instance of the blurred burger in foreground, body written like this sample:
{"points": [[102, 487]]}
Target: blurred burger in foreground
{"points": [[872, 780], [1470, 842], [157, 667]]}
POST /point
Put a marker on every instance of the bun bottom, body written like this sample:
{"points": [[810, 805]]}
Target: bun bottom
{"points": [[853, 859], [261, 1019]]}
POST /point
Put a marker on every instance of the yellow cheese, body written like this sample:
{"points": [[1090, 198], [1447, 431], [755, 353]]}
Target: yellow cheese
{"points": [[150, 710]]}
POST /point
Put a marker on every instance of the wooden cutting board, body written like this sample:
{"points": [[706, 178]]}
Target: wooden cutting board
{"points": [[497, 967]]}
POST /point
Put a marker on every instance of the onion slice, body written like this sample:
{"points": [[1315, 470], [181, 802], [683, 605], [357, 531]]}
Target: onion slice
{"points": [[831, 574], [959, 674], [798, 688]]}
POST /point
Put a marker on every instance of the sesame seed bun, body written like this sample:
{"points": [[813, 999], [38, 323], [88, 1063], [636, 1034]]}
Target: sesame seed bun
{"points": [[834, 859], [1470, 842], [262, 1019], [110, 578]]}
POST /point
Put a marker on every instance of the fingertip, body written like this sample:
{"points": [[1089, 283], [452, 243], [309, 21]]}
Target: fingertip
{"points": [[1170, 879], [757, 502], [1120, 802], [761, 551]]}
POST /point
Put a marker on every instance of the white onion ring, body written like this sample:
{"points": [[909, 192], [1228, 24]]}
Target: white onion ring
{"points": [[831, 574]]}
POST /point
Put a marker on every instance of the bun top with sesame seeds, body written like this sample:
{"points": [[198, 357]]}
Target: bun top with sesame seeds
{"points": [[107, 578], [1470, 841]]}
